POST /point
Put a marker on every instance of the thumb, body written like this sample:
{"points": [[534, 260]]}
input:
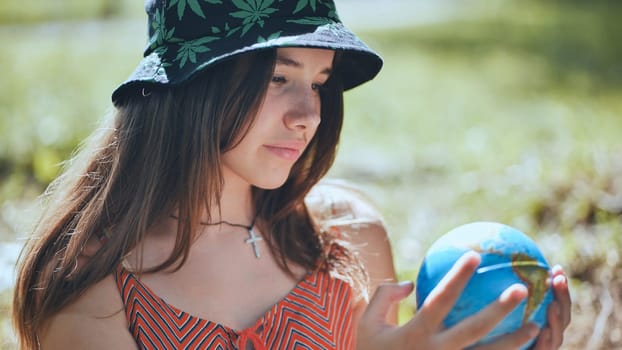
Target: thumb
{"points": [[386, 295]]}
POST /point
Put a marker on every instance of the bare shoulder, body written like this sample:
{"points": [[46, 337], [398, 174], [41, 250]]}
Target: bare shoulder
{"points": [[334, 201], [96, 320], [337, 203]]}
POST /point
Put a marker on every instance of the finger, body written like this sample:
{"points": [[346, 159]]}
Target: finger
{"points": [[385, 296], [513, 340], [443, 297], [477, 326], [556, 329], [562, 295], [544, 340]]}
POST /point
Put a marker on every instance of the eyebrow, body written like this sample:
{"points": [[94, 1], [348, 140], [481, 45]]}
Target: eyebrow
{"points": [[286, 61]]}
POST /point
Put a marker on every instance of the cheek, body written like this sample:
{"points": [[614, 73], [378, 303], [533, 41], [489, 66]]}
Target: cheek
{"points": [[318, 110], [269, 109], [318, 106]]}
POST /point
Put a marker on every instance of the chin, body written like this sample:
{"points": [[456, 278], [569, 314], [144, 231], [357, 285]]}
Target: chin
{"points": [[272, 183]]}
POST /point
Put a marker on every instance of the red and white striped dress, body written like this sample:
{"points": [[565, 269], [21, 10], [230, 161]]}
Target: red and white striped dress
{"points": [[316, 314]]}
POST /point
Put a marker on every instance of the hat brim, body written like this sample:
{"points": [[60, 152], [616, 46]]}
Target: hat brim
{"points": [[358, 65]]}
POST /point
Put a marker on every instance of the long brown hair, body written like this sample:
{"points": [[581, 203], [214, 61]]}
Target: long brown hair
{"points": [[161, 152]]}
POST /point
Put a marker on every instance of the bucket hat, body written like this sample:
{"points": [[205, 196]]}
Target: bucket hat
{"points": [[187, 36]]}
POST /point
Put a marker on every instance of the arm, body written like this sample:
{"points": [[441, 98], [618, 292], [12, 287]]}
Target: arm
{"points": [[375, 322], [96, 320], [340, 205], [375, 253]]}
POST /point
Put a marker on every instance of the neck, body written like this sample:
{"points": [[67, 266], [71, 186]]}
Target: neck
{"points": [[236, 204]]}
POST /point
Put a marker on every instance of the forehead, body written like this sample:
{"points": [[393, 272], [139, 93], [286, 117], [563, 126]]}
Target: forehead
{"points": [[305, 57]]}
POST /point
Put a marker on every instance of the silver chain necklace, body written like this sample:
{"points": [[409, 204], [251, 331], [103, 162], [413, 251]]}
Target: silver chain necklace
{"points": [[252, 239]]}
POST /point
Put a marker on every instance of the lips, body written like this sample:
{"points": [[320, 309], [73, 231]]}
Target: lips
{"points": [[288, 150]]}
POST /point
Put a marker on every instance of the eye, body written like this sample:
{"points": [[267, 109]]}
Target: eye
{"points": [[279, 79], [317, 87]]}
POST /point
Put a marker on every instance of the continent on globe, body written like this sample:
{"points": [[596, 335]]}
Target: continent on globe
{"points": [[508, 256]]}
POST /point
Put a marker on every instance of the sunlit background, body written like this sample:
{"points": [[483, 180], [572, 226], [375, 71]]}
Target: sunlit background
{"points": [[506, 111]]}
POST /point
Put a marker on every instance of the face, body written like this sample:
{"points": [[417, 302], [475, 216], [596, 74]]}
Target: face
{"points": [[286, 120]]}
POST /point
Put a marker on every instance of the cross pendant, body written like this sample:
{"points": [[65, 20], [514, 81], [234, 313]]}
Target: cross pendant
{"points": [[253, 240]]}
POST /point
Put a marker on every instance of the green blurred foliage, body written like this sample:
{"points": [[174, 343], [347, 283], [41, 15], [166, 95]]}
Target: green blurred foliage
{"points": [[56, 81], [578, 45], [36, 11]]}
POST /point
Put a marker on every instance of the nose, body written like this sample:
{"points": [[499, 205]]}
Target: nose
{"points": [[304, 111]]}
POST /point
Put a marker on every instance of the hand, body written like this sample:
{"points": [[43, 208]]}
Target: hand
{"points": [[425, 329], [552, 336]]}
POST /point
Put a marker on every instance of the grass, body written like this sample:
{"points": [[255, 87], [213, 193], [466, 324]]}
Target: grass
{"points": [[513, 116]]}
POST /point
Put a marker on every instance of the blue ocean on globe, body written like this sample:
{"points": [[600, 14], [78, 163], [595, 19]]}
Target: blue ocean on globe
{"points": [[508, 256]]}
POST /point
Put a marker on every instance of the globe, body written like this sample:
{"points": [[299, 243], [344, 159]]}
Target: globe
{"points": [[508, 256]]}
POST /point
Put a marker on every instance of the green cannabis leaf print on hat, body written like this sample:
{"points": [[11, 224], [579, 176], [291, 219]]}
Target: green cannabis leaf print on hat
{"points": [[189, 49], [193, 4], [253, 11]]}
